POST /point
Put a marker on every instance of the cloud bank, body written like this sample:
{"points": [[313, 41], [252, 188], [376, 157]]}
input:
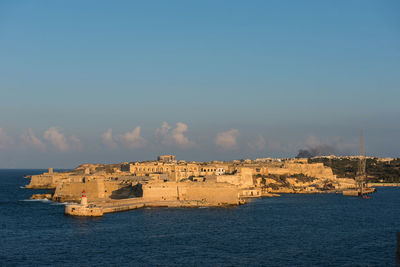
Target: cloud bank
{"points": [[107, 139], [174, 136], [29, 139], [5, 140], [60, 142], [133, 139], [258, 144], [227, 140]]}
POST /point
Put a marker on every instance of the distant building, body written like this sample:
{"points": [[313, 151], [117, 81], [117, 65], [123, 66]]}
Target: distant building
{"points": [[166, 158], [220, 171], [127, 167]]}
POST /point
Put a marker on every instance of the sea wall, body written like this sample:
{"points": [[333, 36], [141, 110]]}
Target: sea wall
{"points": [[47, 180], [207, 192], [160, 191], [42, 181], [212, 193], [96, 189], [231, 179]]}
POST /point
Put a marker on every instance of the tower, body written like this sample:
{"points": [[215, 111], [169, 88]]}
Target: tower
{"points": [[84, 198]]}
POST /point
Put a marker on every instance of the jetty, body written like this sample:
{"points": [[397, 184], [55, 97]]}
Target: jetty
{"points": [[357, 192], [96, 209], [99, 209], [384, 184]]}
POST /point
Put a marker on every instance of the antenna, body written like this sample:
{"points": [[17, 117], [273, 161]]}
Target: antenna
{"points": [[362, 152]]}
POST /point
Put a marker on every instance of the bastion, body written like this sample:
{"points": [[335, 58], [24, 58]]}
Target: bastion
{"points": [[170, 183]]}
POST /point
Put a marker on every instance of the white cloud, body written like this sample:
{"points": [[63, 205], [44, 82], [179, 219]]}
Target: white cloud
{"points": [[29, 138], [108, 140], [163, 130], [76, 143], [57, 139], [258, 144], [178, 135], [174, 136], [5, 140], [227, 140], [133, 139]]}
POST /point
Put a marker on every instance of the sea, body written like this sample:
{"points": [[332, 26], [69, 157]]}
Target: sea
{"points": [[291, 230]]}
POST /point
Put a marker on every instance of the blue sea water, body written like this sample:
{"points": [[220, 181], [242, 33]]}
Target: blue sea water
{"points": [[291, 230]]}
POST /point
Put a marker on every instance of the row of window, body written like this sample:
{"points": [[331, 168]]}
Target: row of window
{"points": [[150, 169], [161, 169]]}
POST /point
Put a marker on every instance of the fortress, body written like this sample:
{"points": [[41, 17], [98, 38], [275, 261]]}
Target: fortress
{"points": [[168, 182]]}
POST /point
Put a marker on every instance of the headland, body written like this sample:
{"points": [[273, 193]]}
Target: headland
{"points": [[95, 189]]}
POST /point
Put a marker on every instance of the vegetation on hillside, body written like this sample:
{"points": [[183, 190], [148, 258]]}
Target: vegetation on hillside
{"points": [[377, 171]]}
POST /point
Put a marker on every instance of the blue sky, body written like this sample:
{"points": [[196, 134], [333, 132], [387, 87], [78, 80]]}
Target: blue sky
{"points": [[227, 79]]}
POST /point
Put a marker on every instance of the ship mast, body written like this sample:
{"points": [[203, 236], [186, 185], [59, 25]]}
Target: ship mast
{"points": [[361, 175]]}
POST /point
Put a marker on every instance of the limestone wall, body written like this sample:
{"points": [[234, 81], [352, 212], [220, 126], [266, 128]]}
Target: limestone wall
{"points": [[246, 176], [317, 170], [160, 191], [41, 181], [47, 180], [95, 189], [212, 193], [243, 178], [231, 179]]}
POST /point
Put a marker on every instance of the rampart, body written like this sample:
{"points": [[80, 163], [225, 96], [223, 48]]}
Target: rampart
{"points": [[207, 192], [96, 188], [317, 170]]}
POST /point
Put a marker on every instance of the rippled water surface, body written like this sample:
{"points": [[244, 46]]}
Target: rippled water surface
{"points": [[292, 230]]}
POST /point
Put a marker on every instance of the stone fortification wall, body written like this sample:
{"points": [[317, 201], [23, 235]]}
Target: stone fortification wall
{"points": [[46, 180], [230, 179], [247, 176], [211, 193], [243, 178], [42, 181], [160, 191], [96, 189], [317, 170]]}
